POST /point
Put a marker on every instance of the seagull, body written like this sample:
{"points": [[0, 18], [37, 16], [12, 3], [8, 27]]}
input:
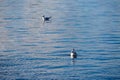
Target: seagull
{"points": [[73, 54], [46, 18]]}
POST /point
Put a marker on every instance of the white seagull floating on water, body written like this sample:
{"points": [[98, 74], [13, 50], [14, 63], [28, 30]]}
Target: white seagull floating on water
{"points": [[44, 18], [73, 54]]}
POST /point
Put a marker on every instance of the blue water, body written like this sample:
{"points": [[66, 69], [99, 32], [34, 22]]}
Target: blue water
{"points": [[33, 50]]}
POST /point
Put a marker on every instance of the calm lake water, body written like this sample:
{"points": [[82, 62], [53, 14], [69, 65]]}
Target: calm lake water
{"points": [[33, 50]]}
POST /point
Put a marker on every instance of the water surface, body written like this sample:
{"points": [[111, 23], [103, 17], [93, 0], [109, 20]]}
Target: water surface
{"points": [[33, 50]]}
